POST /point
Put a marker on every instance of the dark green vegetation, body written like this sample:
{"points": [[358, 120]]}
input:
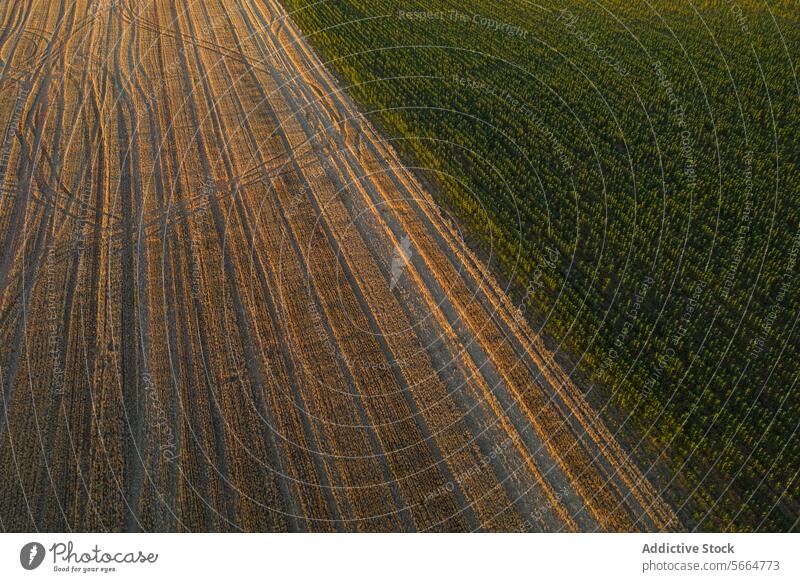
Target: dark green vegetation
{"points": [[633, 171]]}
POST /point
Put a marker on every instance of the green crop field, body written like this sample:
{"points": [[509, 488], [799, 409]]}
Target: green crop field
{"points": [[630, 170]]}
